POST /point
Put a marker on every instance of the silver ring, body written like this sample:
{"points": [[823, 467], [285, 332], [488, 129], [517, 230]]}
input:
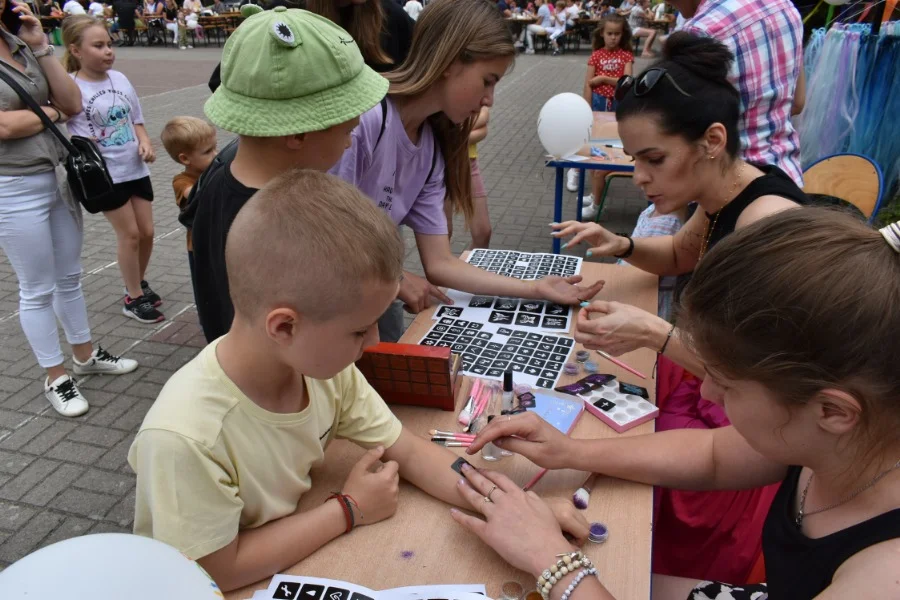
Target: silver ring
{"points": [[488, 500], [488, 497]]}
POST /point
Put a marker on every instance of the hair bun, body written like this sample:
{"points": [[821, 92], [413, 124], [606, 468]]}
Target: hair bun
{"points": [[704, 56]]}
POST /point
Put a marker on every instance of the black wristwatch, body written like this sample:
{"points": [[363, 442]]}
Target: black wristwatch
{"points": [[630, 250]]}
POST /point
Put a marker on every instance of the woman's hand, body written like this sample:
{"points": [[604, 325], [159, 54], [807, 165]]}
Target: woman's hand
{"points": [[535, 439], [518, 525], [145, 150], [562, 290], [417, 293], [618, 328], [602, 241], [30, 30]]}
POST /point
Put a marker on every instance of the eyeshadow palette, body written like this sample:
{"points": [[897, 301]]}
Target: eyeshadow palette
{"points": [[610, 401], [412, 374]]}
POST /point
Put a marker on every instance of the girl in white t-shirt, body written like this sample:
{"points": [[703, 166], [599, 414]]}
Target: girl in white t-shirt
{"points": [[112, 117]]}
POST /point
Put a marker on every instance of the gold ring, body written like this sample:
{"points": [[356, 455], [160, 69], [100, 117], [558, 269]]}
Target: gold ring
{"points": [[488, 497], [488, 500]]}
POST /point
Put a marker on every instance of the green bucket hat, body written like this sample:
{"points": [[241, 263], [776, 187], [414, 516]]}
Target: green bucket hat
{"points": [[288, 71]]}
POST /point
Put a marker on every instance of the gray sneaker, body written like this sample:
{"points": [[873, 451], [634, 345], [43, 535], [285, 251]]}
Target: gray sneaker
{"points": [[102, 362], [65, 397]]}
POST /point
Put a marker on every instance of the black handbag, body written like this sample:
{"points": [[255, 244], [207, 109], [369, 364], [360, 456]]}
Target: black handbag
{"points": [[86, 170]]}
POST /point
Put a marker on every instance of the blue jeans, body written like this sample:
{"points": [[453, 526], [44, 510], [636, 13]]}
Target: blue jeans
{"points": [[602, 103]]}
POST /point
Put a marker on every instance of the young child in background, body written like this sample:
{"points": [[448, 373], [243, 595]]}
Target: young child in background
{"points": [[191, 142], [610, 60], [317, 111], [638, 19], [224, 455], [558, 29], [651, 224], [112, 117]]}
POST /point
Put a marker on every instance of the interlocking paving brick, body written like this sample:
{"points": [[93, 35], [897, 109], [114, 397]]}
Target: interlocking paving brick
{"points": [[32, 475], [84, 503], [45, 491], [84, 454], [106, 482], [68, 528], [98, 436], [50, 437], [28, 537], [13, 463], [14, 516]]}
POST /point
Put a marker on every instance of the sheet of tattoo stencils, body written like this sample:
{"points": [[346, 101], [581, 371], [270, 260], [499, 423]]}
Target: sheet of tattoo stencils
{"points": [[292, 587], [520, 312], [487, 350]]}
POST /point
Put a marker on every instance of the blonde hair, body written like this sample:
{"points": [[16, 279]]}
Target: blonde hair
{"points": [[447, 31], [184, 134], [73, 29], [366, 25], [309, 241]]}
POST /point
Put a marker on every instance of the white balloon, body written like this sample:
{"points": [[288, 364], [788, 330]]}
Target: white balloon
{"points": [[107, 566], [837, 2], [564, 124]]}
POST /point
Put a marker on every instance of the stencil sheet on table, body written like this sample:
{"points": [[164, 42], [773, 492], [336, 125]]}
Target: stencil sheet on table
{"points": [[524, 265], [488, 350], [521, 312], [621, 411]]}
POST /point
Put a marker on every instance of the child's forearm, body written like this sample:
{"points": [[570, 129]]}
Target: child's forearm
{"points": [[427, 466], [141, 132], [261, 552]]}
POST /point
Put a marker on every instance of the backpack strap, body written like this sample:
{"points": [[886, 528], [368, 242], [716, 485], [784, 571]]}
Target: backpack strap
{"points": [[383, 122]]}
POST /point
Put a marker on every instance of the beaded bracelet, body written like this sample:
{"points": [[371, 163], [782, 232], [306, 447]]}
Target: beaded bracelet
{"points": [[566, 564], [584, 573]]}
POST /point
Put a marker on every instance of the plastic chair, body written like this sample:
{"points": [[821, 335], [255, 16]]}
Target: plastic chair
{"points": [[853, 178]]}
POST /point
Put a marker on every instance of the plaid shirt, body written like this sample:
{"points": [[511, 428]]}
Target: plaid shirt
{"points": [[766, 39]]}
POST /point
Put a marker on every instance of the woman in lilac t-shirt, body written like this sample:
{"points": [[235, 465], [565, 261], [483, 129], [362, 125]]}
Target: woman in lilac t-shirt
{"points": [[410, 154]]}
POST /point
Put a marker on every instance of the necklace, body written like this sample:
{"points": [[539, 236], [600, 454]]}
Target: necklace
{"points": [[801, 512], [728, 198]]}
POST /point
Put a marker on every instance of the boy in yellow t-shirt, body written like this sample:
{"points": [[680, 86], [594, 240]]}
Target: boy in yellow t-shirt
{"points": [[224, 454]]}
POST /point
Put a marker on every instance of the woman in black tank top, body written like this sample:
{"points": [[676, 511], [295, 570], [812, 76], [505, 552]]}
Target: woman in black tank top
{"points": [[796, 317]]}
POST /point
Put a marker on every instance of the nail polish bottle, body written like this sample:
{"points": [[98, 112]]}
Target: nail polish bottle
{"points": [[508, 398]]}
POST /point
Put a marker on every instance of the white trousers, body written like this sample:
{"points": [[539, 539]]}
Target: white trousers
{"points": [[43, 244]]}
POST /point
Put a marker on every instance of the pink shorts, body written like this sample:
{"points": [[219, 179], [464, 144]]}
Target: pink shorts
{"points": [[477, 183]]}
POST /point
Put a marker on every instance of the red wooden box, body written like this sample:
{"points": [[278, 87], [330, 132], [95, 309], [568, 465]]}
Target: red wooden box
{"points": [[412, 374]]}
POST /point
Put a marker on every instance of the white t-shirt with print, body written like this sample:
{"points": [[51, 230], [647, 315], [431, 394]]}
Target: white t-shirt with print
{"points": [[638, 18], [111, 109], [73, 7], [545, 17]]}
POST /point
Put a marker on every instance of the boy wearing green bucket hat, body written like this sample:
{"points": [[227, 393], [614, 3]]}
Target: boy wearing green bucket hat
{"points": [[293, 87]]}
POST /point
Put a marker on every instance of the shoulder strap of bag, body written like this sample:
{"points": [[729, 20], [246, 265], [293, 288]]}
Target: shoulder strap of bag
{"points": [[35, 108], [383, 122]]}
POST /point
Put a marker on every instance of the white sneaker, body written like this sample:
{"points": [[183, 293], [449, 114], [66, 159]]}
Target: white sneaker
{"points": [[587, 200], [572, 180], [589, 213], [65, 397], [190, 47], [183, 48], [529, 51], [102, 362]]}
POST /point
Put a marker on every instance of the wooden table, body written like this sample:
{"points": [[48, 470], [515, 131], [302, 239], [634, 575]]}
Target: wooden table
{"points": [[444, 553], [603, 131]]}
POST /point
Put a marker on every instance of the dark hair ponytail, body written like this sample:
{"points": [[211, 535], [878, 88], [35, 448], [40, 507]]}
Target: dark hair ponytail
{"points": [[700, 66]]}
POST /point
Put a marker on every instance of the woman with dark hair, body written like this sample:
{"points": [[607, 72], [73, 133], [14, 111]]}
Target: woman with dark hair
{"points": [[381, 28], [679, 120], [40, 224]]}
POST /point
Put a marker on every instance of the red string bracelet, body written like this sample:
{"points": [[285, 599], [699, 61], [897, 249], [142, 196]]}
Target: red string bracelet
{"points": [[344, 501]]}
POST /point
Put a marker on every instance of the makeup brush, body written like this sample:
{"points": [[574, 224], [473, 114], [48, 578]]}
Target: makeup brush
{"points": [[465, 415], [452, 444], [582, 497], [439, 433]]}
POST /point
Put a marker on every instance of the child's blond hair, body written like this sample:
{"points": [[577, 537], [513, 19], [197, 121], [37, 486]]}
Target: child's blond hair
{"points": [[309, 241], [182, 135], [73, 28]]}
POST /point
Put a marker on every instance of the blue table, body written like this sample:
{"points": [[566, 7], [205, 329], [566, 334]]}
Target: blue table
{"points": [[603, 133]]}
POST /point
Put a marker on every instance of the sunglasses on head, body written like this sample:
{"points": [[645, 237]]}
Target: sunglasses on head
{"points": [[643, 83]]}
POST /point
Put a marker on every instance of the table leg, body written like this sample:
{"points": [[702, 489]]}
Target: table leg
{"points": [[557, 206], [582, 175]]}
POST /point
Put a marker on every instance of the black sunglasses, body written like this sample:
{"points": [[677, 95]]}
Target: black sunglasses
{"points": [[644, 82]]}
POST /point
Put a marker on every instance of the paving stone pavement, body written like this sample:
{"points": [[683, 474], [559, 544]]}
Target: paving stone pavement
{"points": [[62, 477]]}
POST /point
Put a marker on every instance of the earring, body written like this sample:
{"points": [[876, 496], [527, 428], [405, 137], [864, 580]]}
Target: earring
{"points": [[711, 157]]}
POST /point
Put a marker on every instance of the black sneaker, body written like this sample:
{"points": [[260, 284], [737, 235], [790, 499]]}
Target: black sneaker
{"points": [[141, 309], [149, 294]]}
